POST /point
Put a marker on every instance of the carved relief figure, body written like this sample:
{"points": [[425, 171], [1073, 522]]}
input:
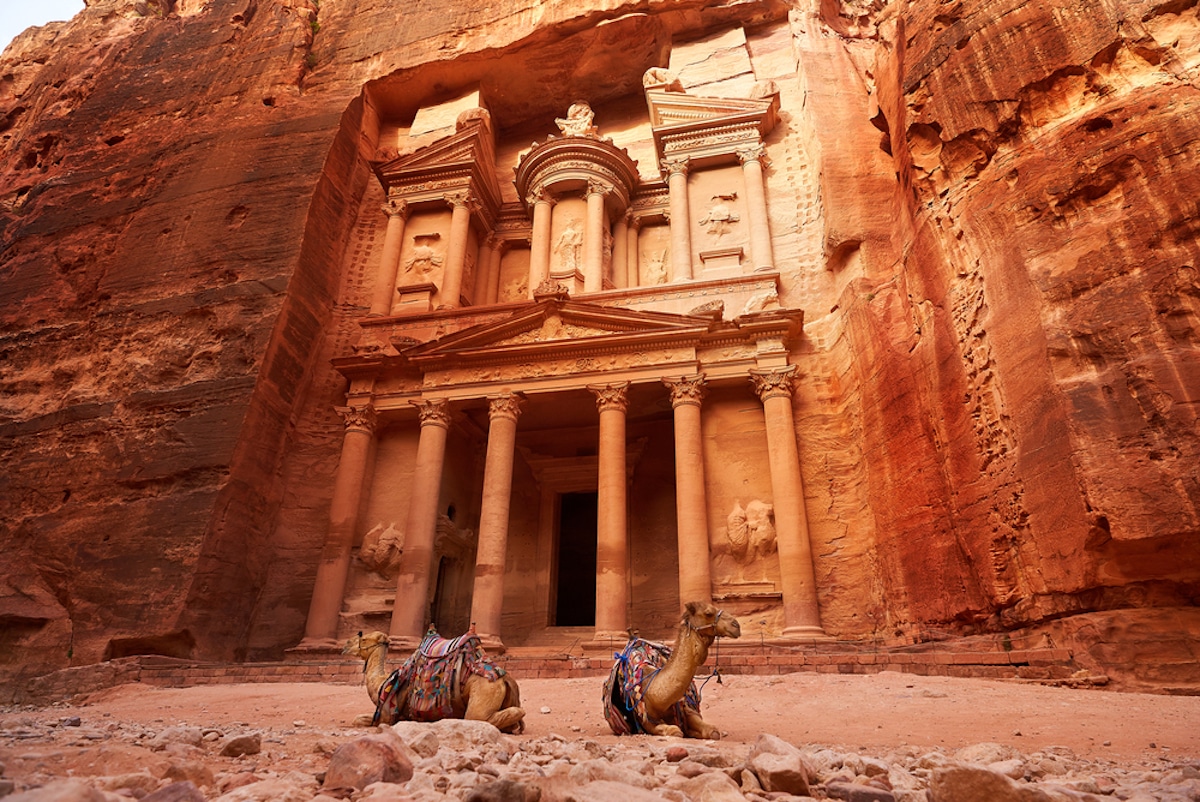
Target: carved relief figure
{"points": [[578, 121], [751, 535], [423, 259], [720, 217], [656, 267], [381, 549], [570, 249]]}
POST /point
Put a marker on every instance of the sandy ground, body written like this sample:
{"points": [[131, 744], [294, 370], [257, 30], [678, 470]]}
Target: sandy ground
{"points": [[872, 714]]}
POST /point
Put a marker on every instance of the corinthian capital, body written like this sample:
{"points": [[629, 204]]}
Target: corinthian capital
{"points": [[774, 383], [753, 153], [433, 411], [675, 165], [359, 419], [504, 406], [395, 207], [686, 389], [610, 396], [597, 187]]}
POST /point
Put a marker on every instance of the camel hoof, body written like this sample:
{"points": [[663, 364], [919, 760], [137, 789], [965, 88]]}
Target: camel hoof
{"points": [[365, 720]]}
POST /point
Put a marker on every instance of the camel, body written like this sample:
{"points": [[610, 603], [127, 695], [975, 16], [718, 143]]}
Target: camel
{"points": [[650, 688], [480, 690]]}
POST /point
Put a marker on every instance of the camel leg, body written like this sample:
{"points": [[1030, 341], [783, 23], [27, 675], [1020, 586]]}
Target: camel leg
{"points": [[699, 728], [666, 730], [485, 702]]}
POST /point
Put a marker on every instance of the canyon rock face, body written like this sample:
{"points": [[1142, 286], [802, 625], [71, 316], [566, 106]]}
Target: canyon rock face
{"points": [[986, 209]]}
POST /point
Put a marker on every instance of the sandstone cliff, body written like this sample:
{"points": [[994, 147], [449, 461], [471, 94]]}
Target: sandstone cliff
{"points": [[998, 265]]}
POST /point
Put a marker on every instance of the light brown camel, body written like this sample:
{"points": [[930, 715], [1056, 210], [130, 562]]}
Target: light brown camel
{"points": [[651, 688], [478, 698]]}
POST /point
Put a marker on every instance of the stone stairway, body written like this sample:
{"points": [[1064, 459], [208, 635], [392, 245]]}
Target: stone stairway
{"points": [[1053, 665]]}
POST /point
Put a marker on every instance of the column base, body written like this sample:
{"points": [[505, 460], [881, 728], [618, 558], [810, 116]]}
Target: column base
{"points": [[318, 645], [492, 644], [606, 640], [805, 633]]}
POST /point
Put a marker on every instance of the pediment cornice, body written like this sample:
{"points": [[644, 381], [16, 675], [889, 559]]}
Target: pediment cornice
{"points": [[465, 160]]}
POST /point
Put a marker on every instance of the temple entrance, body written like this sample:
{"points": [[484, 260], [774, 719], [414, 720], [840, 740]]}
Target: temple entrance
{"points": [[575, 604]]}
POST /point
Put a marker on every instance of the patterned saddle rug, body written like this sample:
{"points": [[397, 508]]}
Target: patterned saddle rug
{"points": [[428, 685], [625, 689]]}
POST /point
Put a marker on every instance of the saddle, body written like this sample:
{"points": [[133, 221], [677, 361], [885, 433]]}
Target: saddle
{"points": [[428, 685], [625, 689]]}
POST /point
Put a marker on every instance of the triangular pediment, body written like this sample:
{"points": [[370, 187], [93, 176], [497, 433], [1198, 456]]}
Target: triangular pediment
{"points": [[557, 327]]}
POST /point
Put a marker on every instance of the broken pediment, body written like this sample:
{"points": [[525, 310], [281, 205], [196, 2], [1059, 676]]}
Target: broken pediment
{"points": [[709, 128], [463, 160]]}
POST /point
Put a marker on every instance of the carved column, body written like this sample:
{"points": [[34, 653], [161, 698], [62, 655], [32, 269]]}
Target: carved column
{"points": [[416, 561], [753, 160], [680, 219], [456, 251], [487, 599], [389, 261], [611, 537], [620, 253], [633, 252], [320, 629], [691, 506], [802, 617], [593, 237], [487, 284], [539, 244]]}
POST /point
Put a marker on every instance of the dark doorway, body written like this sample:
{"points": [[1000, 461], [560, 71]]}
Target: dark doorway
{"points": [[576, 597]]}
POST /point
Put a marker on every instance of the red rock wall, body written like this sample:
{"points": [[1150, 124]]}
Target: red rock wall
{"points": [[998, 415]]}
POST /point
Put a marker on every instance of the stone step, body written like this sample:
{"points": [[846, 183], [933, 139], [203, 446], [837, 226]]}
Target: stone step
{"points": [[1053, 665]]}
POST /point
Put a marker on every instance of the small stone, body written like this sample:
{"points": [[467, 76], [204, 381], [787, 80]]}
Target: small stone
{"points": [[1017, 733], [298, 722], [676, 754], [545, 710]]}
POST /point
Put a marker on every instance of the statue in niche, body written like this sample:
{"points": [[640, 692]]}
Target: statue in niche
{"points": [[423, 259], [751, 534], [656, 267], [381, 549], [570, 248], [578, 121], [762, 301], [720, 217]]}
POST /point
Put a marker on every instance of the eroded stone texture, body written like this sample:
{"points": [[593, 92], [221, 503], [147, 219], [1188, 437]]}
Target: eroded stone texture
{"points": [[985, 212]]}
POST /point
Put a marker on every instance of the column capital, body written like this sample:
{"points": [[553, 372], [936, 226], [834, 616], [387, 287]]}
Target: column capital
{"points": [[675, 165], [598, 187], [359, 419], [395, 207], [773, 383], [462, 197], [507, 406], [540, 194], [610, 396], [686, 390], [753, 153], [433, 411]]}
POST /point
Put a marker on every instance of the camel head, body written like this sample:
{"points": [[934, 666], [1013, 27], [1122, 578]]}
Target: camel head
{"points": [[363, 645], [709, 620]]}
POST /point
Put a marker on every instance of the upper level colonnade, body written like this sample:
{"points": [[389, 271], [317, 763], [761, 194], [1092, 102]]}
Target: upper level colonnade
{"points": [[585, 217]]}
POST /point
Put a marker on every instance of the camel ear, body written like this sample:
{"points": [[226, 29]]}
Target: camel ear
{"points": [[691, 607], [360, 633]]}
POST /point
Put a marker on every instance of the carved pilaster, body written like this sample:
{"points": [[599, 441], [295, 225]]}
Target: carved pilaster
{"points": [[433, 412], [359, 419], [686, 390], [610, 396], [504, 406], [773, 383]]}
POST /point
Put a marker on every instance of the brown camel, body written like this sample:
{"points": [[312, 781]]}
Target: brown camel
{"points": [[483, 691], [650, 688]]}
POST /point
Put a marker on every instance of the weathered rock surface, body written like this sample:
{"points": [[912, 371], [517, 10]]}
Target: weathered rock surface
{"points": [[987, 210]]}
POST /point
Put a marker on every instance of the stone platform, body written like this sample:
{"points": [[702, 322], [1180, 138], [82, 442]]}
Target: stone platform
{"points": [[1039, 664]]}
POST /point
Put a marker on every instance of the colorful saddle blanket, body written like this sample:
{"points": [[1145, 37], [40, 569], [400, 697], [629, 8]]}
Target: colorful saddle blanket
{"points": [[428, 685], [625, 689]]}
